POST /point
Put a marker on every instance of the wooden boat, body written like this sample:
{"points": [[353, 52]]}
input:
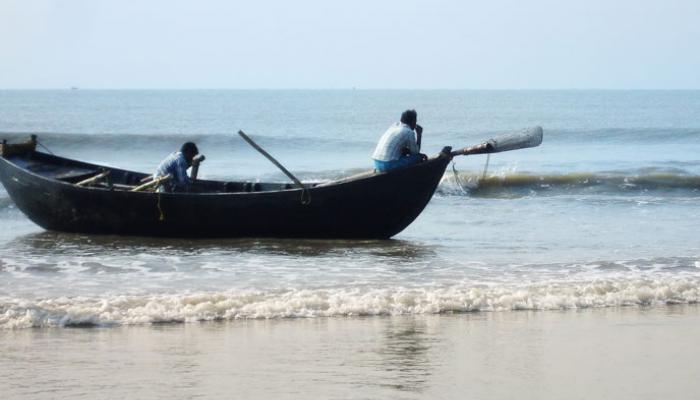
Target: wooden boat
{"points": [[67, 195]]}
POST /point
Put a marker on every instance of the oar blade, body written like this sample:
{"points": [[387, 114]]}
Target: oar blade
{"points": [[531, 137]]}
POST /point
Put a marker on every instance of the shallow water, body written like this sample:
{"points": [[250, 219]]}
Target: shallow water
{"points": [[603, 214], [567, 271]]}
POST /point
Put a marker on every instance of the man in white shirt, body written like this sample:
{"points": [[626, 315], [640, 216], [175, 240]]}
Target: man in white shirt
{"points": [[399, 146]]}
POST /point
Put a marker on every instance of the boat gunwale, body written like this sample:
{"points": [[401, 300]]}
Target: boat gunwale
{"points": [[319, 186]]}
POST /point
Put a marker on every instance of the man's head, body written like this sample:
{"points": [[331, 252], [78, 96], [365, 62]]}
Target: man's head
{"points": [[189, 150], [410, 118]]}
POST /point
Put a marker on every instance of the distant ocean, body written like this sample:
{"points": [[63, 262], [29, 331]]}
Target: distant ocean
{"points": [[603, 217]]}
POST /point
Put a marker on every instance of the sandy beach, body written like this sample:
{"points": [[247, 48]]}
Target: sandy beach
{"points": [[623, 353]]}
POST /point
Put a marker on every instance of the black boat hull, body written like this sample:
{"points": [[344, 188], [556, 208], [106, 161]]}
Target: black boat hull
{"points": [[376, 206]]}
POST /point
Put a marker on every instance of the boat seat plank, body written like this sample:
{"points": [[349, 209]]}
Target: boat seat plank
{"points": [[40, 168], [74, 174]]}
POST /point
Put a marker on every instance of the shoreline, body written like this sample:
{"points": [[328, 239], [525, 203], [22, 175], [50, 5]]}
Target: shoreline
{"points": [[597, 353]]}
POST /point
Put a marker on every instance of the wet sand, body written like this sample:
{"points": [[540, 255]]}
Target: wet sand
{"points": [[617, 353]]}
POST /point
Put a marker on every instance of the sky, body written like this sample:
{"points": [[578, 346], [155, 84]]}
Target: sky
{"points": [[309, 44]]}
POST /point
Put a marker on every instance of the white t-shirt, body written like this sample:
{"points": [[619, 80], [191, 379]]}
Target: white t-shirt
{"points": [[399, 136]]}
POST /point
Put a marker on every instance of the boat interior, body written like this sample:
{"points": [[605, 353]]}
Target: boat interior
{"points": [[83, 174], [90, 175]]}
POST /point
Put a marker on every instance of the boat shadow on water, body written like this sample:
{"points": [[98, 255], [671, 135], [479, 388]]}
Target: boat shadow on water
{"points": [[67, 244]]}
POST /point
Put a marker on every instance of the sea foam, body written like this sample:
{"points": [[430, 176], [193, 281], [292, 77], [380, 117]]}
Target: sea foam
{"points": [[328, 302]]}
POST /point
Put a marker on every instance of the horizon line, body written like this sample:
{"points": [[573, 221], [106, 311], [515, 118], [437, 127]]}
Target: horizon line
{"points": [[78, 88]]}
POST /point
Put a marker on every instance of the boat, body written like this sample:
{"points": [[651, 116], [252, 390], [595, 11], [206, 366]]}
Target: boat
{"points": [[61, 194]]}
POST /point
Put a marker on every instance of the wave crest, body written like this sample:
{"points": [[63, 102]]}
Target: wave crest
{"points": [[587, 182], [188, 308]]}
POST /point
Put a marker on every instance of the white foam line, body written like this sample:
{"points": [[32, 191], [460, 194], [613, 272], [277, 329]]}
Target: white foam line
{"points": [[147, 309]]}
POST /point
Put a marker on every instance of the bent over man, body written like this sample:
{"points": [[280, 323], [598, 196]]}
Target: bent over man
{"points": [[176, 165], [399, 146]]}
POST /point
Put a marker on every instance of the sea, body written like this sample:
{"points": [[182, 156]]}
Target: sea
{"points": [[569, 270]]}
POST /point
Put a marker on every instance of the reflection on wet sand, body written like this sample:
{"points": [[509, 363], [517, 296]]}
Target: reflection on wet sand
{"points": [[610, 353], [404, 354]]}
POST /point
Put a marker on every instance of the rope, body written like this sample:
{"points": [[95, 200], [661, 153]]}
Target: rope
{"points": [[456, 175], [44, 147], [160, 210], [486, 166], [306, 201]]}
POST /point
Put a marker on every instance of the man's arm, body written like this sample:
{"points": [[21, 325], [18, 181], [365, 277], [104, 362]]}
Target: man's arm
{"points": [[410, 144], [419, 135], [195, 166]]}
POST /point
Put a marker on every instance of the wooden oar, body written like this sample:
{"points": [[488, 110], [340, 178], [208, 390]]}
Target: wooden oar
{"points": [[94, 179], [272, 159], [152, 183], [528, 138]]}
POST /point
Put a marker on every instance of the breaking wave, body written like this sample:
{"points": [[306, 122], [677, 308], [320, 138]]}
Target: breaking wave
{"points": [[455, 138], [230, 141], [223, 306], [646, 180], [508, 184]]}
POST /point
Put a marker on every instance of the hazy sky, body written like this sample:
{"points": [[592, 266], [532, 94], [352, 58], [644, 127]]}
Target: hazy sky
{"points": [[497, 44]]}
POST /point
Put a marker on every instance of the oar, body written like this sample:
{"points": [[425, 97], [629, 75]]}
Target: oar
{"points": [[272, 159], [94, 179], [521, 140], [152, 183]]}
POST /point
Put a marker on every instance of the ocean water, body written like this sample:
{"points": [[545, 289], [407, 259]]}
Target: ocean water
{"points": [[602, 216]]}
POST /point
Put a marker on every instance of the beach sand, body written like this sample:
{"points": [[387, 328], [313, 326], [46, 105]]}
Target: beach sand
{"points": [[616, 353]]}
